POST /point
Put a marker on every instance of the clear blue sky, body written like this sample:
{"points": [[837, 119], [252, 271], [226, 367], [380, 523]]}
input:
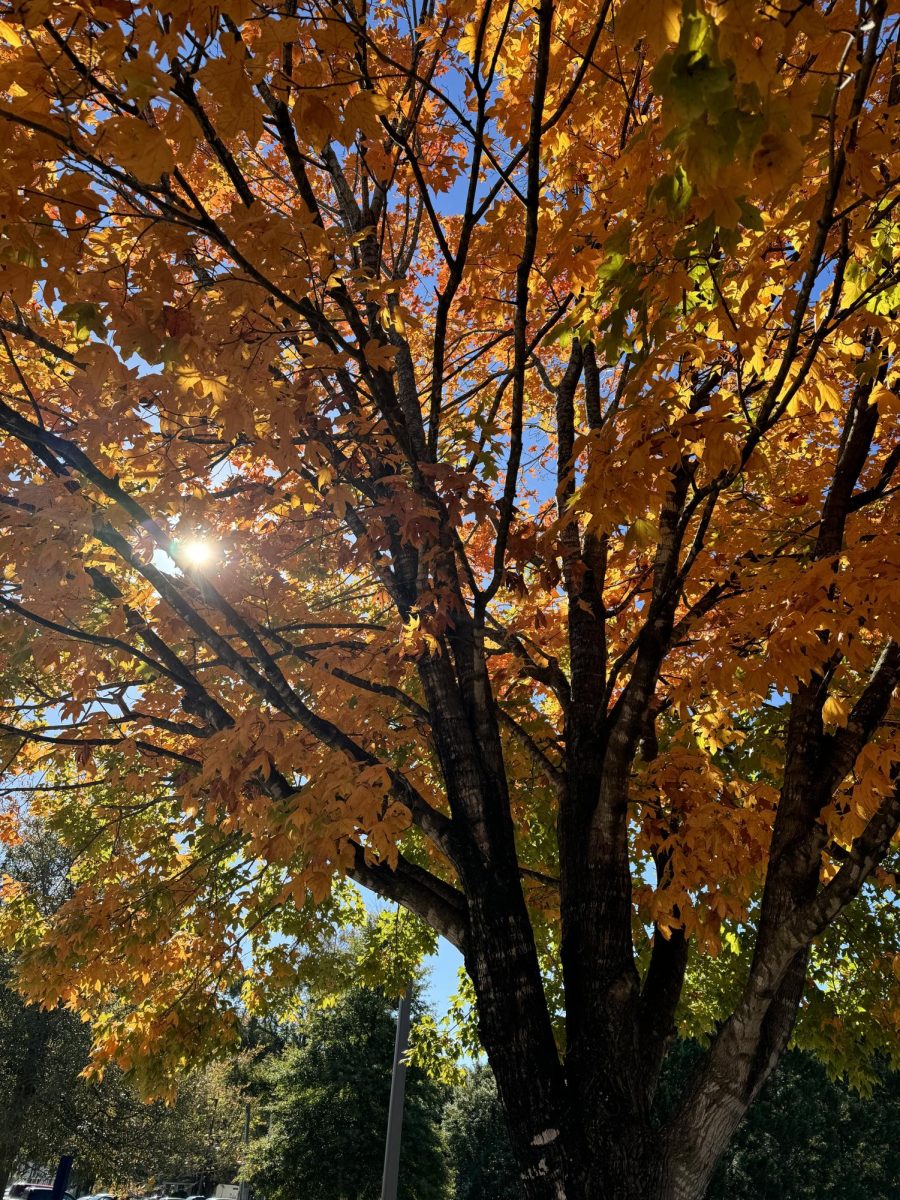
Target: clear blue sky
{"points": [[442, 978]]}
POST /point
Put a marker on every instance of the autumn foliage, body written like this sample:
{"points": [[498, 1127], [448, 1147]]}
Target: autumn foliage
{"points": [[451, 447]]}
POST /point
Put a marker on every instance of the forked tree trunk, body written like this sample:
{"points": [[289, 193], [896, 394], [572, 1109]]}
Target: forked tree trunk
{"points": [[581, 1123], [582, 1127]]}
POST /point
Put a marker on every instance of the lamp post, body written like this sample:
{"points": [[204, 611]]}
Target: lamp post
{"points": [[391, 1176], [244, 1191]]}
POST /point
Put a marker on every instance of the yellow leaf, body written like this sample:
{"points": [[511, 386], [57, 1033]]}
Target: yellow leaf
{"points": [[361, 112], [777, 160], [9, 35], [642, 534], [888, 401], [316, 120], [378, 355], [141, 149], [835, 710], [829, 396], [659, 21], [467, 42]]}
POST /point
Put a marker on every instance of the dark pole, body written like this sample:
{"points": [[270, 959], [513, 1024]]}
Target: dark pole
{"points": [[244, 1192], [63, 1171], [391, 1176]]}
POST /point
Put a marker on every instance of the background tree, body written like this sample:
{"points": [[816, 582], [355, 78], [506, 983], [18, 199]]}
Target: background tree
{"points": [[430, 435], [125, 1144], [477, 1141], [48, 1106], [35, 1068], [41, 1052], [326, 1102], [117, 1139]]}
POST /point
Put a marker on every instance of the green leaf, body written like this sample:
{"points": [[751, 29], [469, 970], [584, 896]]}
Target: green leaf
{"points": [[86, 318]]}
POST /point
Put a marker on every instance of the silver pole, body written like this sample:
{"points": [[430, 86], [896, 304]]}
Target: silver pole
{"points": [[391, 1176], [244, 1190]]}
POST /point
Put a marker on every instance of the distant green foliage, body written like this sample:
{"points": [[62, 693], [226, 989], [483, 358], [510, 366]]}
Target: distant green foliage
{"points": [[47, 1108], [41, 1054], [477, 1142], [327, 1109]]}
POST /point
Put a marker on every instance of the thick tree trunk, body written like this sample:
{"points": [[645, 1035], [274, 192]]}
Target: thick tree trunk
{"points": [[628, 1166], [516, 1032]]}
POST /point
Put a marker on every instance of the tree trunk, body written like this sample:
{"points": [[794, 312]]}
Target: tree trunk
{"points": [[623, 1171], [628, 1167]]}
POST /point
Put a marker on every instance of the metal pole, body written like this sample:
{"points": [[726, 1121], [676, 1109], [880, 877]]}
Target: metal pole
{"points": [[244, 1190], [63, 1171], [391, 1176]]}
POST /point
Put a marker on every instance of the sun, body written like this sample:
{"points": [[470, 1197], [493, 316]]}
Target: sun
{"points": [[196, 552]]}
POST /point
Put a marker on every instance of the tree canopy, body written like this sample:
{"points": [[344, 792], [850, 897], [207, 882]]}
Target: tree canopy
{"points": [[451, 448]]}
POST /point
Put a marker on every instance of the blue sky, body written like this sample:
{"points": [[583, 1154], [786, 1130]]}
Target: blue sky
{"points": [[442, 978]]}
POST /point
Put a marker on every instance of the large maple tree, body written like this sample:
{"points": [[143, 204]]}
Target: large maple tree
{"points": [[452, 447]]}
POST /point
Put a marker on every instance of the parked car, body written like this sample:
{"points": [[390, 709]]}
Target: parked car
{"points": [[44, 1192]]}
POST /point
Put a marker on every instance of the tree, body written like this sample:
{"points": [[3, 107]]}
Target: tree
{"points": [[41, 1053], [327, 1102], [117, 1140], [123, 1143], [48, 1106], [477, 1141], [807, 1137], [25, 1034], [431, 435]]}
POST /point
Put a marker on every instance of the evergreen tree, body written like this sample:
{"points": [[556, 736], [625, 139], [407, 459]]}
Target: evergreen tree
{"points": [[328, 1105], [477, 1142]]}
